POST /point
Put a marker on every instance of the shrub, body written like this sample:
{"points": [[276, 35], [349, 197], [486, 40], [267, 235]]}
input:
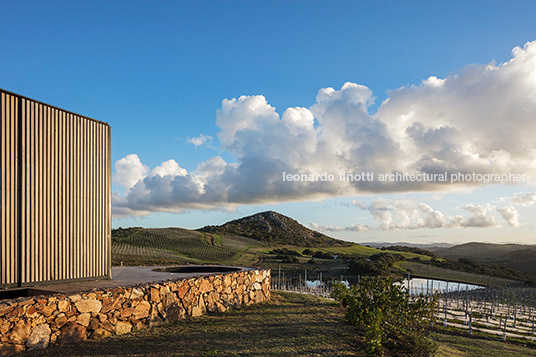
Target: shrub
{"points": [[322, 255], [388, 316], [285, 251], [377, 264], [287, 258]]}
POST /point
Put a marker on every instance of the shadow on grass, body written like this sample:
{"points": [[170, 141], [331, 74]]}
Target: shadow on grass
{"points": [[290, 324]]}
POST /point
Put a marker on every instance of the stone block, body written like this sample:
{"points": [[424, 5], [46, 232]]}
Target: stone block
{"points": [[19, 333], [94, 324], [154, 295], [72, 332], [63, 305], [83, 319], [39, 337], [60, 320], [89, 305], [127, 312], [136, 293], [122, 328], [205, 286], [75, 298], [142, 310]]}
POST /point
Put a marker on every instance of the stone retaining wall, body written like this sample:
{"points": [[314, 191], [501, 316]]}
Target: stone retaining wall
{"points": [[35, 323]]}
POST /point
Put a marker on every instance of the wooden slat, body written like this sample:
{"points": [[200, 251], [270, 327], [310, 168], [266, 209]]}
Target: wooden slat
{"points": [[13, 278], [90, 199], [48, 202], [55, 217], [108, 194], [4, 188], [77, 179]]}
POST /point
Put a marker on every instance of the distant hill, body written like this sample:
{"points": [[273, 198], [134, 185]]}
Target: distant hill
{"points": [[514, 256], [430, 246], [274, 227]]}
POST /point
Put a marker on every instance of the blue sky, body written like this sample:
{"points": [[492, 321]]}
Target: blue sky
{"points": [[159, 71]]}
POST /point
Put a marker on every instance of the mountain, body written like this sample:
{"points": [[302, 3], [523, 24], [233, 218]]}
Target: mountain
{"points": [[274, 227], [480, 251], [518, 257]]}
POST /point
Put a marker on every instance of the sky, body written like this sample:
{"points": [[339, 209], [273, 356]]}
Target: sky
{"points": [[222, 109]]}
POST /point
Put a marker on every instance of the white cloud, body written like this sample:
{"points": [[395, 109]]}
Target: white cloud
{"points": [[524, 199], [330, 228], [200, 140], [510, 215], [478, 120], [403, 214], [412, 214], [129, 170], [169, 168], [482, 216]]}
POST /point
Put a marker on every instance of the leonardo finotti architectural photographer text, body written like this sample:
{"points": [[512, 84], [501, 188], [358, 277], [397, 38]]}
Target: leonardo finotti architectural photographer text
{"points": [[370, 176]]}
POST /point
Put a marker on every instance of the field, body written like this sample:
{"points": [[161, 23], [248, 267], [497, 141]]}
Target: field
{"points": [[457, 344], [430, 271], [167, 246], [355, 249], [289, 325], [177, 245]]}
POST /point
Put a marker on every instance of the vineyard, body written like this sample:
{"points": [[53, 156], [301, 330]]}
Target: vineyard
{"points": [[240, 243], [123, 249], [507, 313], [176, 244], [433, 272]]}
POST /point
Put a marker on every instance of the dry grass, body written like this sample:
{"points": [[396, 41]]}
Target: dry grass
{"points": [[452, 344], [289, 325]]}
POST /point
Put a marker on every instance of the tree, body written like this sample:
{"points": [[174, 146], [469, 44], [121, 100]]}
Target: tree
{"points": [[307, 251]]}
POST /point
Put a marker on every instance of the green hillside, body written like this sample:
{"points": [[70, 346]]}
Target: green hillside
{"points": [[512, 256], [273, 227], [269, 239], [175, 245]]}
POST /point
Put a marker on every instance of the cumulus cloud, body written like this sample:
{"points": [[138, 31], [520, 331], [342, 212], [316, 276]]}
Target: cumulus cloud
{"points": [[129, 170], [412, 214], [200, 140], [481, 216], [510, 215], [403, 214], [478, 120]]}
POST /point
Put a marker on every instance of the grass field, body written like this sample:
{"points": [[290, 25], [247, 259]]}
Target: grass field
{"points": [[431, 271], [454, 344], [179, 244], [289, 325], [355, 249], [167, 246]]}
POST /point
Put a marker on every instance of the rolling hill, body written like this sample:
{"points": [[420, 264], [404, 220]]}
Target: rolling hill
{"points": [[269, 239], [273, 227], [514, 256]]}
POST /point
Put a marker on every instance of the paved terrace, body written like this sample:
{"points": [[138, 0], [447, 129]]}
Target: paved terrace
{"points": [[128, 275]]}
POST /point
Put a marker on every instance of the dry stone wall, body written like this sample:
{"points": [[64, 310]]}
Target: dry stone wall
{"points": [[36, 323]]}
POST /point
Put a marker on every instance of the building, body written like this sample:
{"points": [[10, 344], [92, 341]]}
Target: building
{"points": [[55, 209]]}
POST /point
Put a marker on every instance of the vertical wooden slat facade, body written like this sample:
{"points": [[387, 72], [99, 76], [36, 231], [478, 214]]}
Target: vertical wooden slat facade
{"points": [[55, 217]]}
